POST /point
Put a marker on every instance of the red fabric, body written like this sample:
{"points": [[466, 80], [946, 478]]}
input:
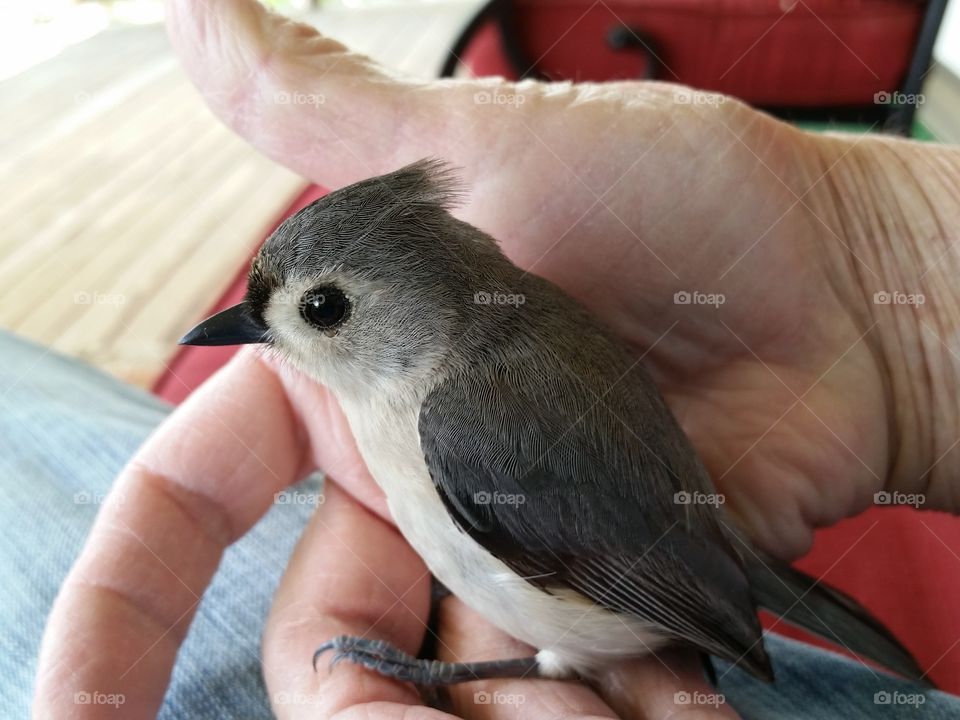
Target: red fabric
{"points": [[820, 52], [902, 565]]}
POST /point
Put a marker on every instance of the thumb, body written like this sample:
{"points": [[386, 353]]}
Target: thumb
{"points": [[308, 102]]}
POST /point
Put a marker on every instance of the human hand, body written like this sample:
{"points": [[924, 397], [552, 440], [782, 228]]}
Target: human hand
{"points": [[803, 396], [624, 198]]}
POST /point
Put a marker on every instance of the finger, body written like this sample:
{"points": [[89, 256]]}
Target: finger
{"points": [[669, 683], [335, 117], [467, 637], [250, 63], [350, 574], [207, 474]]}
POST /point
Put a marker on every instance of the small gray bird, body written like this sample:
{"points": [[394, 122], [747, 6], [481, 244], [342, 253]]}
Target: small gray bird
{"points": [[524, 452]]}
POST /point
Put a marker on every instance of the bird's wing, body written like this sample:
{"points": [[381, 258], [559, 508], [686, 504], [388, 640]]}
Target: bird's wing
{"points": [[538, 472]]}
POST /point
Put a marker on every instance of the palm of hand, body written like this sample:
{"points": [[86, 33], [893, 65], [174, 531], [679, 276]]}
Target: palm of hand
{"points": [[776, 382]]}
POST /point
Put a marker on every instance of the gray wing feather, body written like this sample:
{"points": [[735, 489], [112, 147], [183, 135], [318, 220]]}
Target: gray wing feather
{"points": [[578, 494]]}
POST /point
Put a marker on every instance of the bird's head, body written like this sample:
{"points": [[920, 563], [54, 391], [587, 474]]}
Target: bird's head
{"points": [[366, 288]]}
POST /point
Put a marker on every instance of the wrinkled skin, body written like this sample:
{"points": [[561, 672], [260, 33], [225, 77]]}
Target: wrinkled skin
{"points": [[623, 197]]}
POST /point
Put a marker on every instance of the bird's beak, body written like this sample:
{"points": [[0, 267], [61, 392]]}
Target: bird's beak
{"points": [[233, 326]]}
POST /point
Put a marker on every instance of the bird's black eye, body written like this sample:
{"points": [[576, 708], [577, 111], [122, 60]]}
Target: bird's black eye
{"points": [[325, 307]]}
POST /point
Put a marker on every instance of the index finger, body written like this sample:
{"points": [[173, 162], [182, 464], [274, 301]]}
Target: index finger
{"points": [[199, 483]]}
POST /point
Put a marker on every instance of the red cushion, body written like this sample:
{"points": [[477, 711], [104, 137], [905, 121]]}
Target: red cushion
{"points": [[822, 52], [904, 566], [899, 563]]}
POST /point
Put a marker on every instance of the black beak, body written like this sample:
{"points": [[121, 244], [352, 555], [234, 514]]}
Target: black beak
{"points": [[233, 326]]}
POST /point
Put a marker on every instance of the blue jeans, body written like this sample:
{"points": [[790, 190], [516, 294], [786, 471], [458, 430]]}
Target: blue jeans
{"points": [[65, 432]]}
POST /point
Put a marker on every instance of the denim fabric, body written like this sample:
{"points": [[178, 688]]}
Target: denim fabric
{"points": [[65, 432]]}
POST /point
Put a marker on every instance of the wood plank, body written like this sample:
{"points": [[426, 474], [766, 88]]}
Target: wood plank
{"points": [[111, 200], [940, 113], [128, 208]]}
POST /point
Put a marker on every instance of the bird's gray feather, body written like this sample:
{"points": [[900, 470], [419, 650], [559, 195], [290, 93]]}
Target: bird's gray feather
{"points": [[567, 470]]}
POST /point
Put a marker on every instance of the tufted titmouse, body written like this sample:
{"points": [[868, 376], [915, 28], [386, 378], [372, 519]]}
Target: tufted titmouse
{"points": [[525, 454]]}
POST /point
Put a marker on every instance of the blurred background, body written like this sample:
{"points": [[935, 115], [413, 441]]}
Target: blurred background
{"points": [[125, 198]]}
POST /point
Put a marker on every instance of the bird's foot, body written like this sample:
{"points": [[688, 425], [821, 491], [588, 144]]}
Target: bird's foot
{"points": [[381, 657]]}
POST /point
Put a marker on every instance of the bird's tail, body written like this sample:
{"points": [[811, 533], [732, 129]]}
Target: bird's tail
{"points": [[803, 601]]}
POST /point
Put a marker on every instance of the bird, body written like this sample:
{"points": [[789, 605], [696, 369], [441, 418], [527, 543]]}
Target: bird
{"points": [[524, 451]]}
